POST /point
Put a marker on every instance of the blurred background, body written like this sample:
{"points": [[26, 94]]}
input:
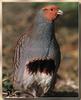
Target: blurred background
{"points": [[18, 17]]}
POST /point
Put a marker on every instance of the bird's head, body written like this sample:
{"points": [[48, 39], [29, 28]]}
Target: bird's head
{"points": [[51, 12], [48, 14]]}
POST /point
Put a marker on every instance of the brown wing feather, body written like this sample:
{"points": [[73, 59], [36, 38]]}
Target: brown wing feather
{"points": [[16, 58]]}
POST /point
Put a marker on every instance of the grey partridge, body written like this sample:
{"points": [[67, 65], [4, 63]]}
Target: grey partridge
{"points": [[37, 54]]}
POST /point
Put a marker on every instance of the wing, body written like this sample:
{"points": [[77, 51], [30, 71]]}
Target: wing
{"points": [[18, 47], [18, 56]]}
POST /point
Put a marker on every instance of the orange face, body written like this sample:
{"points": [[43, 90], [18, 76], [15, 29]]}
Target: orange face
{"points": [[51, 12]]}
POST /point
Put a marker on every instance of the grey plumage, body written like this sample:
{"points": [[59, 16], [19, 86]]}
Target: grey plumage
{"points": [[40, 45]]}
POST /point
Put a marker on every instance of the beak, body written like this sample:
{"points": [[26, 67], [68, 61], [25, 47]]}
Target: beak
{"points": [[60, 12]]}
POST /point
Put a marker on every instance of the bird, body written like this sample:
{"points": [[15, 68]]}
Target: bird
{"points": [[37, 54]]}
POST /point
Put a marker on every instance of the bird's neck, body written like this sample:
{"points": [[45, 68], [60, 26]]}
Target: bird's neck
{"points": [[44, 30]]}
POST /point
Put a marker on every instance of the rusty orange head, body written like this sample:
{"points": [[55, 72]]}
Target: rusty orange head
{"points": [[51, 12]]}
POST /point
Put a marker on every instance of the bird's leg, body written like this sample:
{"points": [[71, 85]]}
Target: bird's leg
{"points": [[53, 81], [30, 94], [34, 93]]}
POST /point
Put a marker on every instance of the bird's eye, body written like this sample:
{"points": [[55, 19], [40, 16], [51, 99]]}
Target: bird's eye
{"points": [[51, 9]]}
